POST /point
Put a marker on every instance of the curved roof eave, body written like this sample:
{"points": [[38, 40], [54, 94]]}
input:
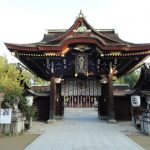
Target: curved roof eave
{"points": [[88, 40]]}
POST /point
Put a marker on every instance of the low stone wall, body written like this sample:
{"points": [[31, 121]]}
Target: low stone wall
{"points": [[16, 126]]}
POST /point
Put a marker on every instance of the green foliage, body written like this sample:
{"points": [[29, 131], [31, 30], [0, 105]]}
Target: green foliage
{"points": [[39, 81], [29, 111], [32, 79], [10, 80], [130, 79]]}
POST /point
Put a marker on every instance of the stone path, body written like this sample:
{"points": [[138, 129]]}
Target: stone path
{"points": [[82, 130]]}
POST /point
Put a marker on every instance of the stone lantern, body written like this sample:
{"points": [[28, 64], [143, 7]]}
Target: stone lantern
{"points": [[145, 120], [135, 102]]}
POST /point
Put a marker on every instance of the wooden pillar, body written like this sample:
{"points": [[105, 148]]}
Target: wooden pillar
{"points": [[110, 99], [72, 101], [62, 107], [59, 103], [102, 103], [52, 100]]}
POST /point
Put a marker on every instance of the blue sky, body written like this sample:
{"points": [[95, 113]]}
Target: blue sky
{"points": [[25, 21]]}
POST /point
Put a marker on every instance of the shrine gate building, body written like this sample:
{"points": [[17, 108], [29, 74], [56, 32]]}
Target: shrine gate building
{"points": [[80, 63]]}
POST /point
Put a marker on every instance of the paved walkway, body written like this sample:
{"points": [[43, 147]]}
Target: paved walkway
{"points": [[82, 130]]}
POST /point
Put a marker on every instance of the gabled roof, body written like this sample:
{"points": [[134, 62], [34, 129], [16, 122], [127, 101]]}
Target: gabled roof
{"points": [[107, 44], [80, 32]]}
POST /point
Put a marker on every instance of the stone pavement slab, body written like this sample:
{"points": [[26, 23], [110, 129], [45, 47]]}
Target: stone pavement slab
{"points": [[83, 131]]}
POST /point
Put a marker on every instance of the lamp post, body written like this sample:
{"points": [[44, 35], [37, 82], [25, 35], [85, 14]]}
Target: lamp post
{"points": [[136, 102]]}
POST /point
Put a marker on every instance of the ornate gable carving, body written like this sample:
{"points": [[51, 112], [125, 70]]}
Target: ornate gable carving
{"points": [[82, 29]]}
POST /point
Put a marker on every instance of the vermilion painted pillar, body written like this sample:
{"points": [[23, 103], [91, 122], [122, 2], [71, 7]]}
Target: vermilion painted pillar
{"points": [[110, 99], [52, 100]]}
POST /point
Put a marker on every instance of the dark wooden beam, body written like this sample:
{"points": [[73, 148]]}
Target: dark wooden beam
{"points": [[129, 66], [110, 99], [40, 67], [35, 67], [59, 103], [52, 100], [102, 103]]}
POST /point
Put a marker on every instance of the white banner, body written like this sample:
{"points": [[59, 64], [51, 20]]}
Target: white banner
{"points": [[99, 92], [87, 92], [76, 87], [95, 87], [91, 87], [5, 116], [70, 88], [66, 88]]}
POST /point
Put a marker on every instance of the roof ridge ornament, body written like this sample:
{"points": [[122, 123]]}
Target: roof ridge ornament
{"points": [[81, 28], [81, 15]]}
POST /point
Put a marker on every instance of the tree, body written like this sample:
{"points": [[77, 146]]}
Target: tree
{"points": [[10, 84], [10, 79]]}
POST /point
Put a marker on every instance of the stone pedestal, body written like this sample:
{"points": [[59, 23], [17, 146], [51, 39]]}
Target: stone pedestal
{"points": [[59, 117], [111, 121], [16, 126], [51, 121]]}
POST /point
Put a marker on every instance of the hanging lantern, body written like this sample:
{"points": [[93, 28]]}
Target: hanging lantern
{"points": [[135, 101]]}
